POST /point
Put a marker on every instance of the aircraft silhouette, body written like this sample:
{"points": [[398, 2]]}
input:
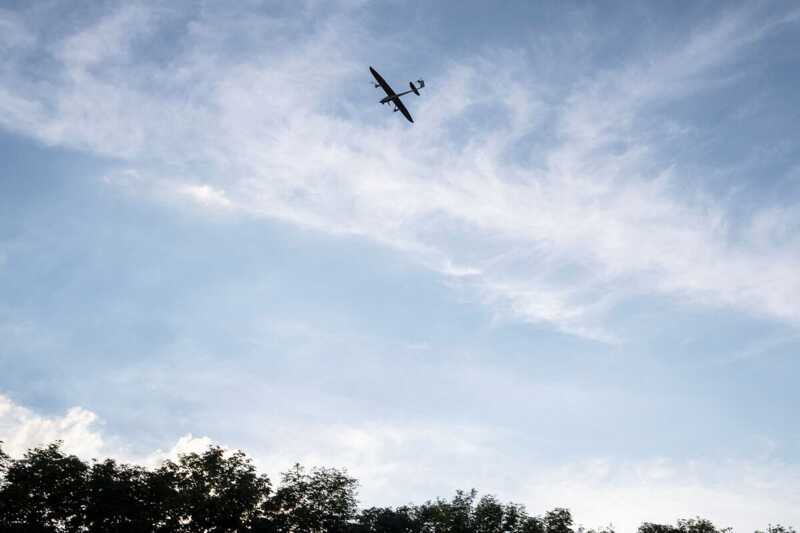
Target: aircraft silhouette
{"points": [[392, 96]]}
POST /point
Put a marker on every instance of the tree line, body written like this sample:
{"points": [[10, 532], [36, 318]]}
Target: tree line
{"points": [[50, 491]]}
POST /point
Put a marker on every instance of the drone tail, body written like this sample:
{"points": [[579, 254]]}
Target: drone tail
{"points": [[415, 88]]}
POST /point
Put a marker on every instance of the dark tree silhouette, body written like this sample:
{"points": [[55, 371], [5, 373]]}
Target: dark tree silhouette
{"points": [[691, 525], [322, 500], [558, 520], [488, 515], [212, 493], [44, 491], [648, 527], [5, 460], [387, 520], [777, 528], [48, 491], [117, 498]]}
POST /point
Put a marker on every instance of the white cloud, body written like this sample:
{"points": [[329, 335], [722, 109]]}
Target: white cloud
{"points": [[398, 463], [185, 445], [559, 229], [744, 495], [81, 432], [204, 195], [21, 429], [108, 39]]}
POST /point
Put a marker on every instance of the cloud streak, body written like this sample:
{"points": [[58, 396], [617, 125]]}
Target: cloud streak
{"points": [[558, 206]]}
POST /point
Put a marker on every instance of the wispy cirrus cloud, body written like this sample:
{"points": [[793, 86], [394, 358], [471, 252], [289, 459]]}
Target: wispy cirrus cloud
{"points": [[563, 181], [558, 201]]}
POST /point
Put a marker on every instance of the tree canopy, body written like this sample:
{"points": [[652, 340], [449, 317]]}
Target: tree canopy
{"points": [[219, 491]]}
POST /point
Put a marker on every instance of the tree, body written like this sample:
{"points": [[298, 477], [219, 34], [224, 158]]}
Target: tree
{"points": [[5, 461], [533, 525], [696, 525], [216, 491], [691, 525], [45, 491], [454, 516], [117, 498], [607, 529], [323, 500], [387, 520], [559, 520], [648, 527], [488, 515], [777, 528], [210, 492]]}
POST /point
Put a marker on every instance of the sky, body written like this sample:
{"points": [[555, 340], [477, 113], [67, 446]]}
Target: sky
{"points": [[573, 281]]}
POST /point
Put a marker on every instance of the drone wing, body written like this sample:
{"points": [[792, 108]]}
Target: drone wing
{"points": [[385, 86], [403, 109]]}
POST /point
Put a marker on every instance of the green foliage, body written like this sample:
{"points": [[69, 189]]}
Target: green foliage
{"points": [[117, 498], [607, 529], [387, 520], [44, 491], [648, 527], [5, 460], [210, 492], [691, 525], [322, 500], [488, 516], [777, 528], [558, 520], [48, 491], [696, 525]]}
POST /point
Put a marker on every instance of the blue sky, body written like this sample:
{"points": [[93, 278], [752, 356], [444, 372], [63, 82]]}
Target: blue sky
{"points": [[573, 281]]}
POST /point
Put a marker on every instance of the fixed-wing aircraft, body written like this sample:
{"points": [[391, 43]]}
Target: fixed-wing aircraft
{"points": [[392, 96]]}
